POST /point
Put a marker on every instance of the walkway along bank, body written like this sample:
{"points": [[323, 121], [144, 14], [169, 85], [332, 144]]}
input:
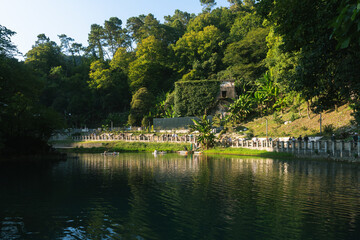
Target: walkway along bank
{"points": [[322, 148]]}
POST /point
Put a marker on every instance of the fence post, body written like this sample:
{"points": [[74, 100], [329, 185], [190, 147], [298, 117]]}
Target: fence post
{"points": [[326, 146], [341, 148], [288, 146], [350, 147], [333, 147]]}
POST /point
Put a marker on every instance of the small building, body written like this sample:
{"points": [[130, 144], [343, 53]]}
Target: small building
{"points": [[227, 89]]}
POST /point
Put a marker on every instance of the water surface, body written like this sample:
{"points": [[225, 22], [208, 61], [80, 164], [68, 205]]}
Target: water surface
{"points": [[139, 196]]}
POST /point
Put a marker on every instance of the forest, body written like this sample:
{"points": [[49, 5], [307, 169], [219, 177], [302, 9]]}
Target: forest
{"points": [[279, 53]]}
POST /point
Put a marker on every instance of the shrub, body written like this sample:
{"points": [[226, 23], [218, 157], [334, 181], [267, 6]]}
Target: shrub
{"points": [[249, 134], [303, 128], [293, 117], [277, 119], [328, 129]]}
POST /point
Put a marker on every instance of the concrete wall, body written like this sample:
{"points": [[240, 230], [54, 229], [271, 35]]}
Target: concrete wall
{"points": [[174, 123]]}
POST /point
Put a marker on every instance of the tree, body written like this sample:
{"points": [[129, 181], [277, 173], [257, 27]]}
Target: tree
{"points": [[204, 127], [245, 58], [142, 27], [178, 23], [140, 105], [248, 3], [96, 41], [199, 53], [150, 68], [281, 64], [66, 44], [304, 29], [122, 59], [244, 23], [110, 86], [347, 24], [115, 36], [7, 48], [208, 4], [24, 122], [44, 55]]}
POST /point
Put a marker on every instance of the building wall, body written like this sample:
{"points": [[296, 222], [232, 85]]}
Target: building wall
{"points": [[229, 88]]}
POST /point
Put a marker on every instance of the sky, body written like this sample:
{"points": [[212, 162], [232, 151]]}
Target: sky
{"points": [[29, 18]]}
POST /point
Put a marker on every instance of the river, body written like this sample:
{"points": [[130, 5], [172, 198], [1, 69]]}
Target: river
{"points": [[140, 196]]}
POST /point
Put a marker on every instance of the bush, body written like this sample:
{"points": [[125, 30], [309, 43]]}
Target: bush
{"points": [[303, 128], [328, 129], [249, 134], [293, 117], [278, 119]]}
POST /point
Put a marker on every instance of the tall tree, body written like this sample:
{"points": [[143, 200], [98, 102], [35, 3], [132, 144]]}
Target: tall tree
{"points": [[150, 69], [44, 55], [115, 35], [142, 27], [208, 4], [141, 103], [96, 41], [177, 24], [7, 48]]}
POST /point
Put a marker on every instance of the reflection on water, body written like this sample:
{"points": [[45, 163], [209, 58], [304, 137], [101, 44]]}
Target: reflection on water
{"points": [[139, 196]]}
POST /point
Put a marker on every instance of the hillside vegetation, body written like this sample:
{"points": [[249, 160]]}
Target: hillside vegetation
{"points": [[291, 123]]}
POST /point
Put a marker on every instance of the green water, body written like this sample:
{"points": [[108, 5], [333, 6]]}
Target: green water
{"points": [[139, 196]]}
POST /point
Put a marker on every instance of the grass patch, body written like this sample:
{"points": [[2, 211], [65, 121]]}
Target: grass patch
{"points": [[121, 146], [247, 152]]}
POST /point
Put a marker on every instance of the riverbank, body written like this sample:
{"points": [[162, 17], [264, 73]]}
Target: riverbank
{"points": [[122, 146]]}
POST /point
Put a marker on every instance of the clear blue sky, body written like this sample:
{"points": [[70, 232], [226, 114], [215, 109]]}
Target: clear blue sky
{"points": [[28, 18]]}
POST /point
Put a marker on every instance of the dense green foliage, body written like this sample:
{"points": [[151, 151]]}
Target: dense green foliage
{"points": [[194, 98], [26, 125], [310, 32]]}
